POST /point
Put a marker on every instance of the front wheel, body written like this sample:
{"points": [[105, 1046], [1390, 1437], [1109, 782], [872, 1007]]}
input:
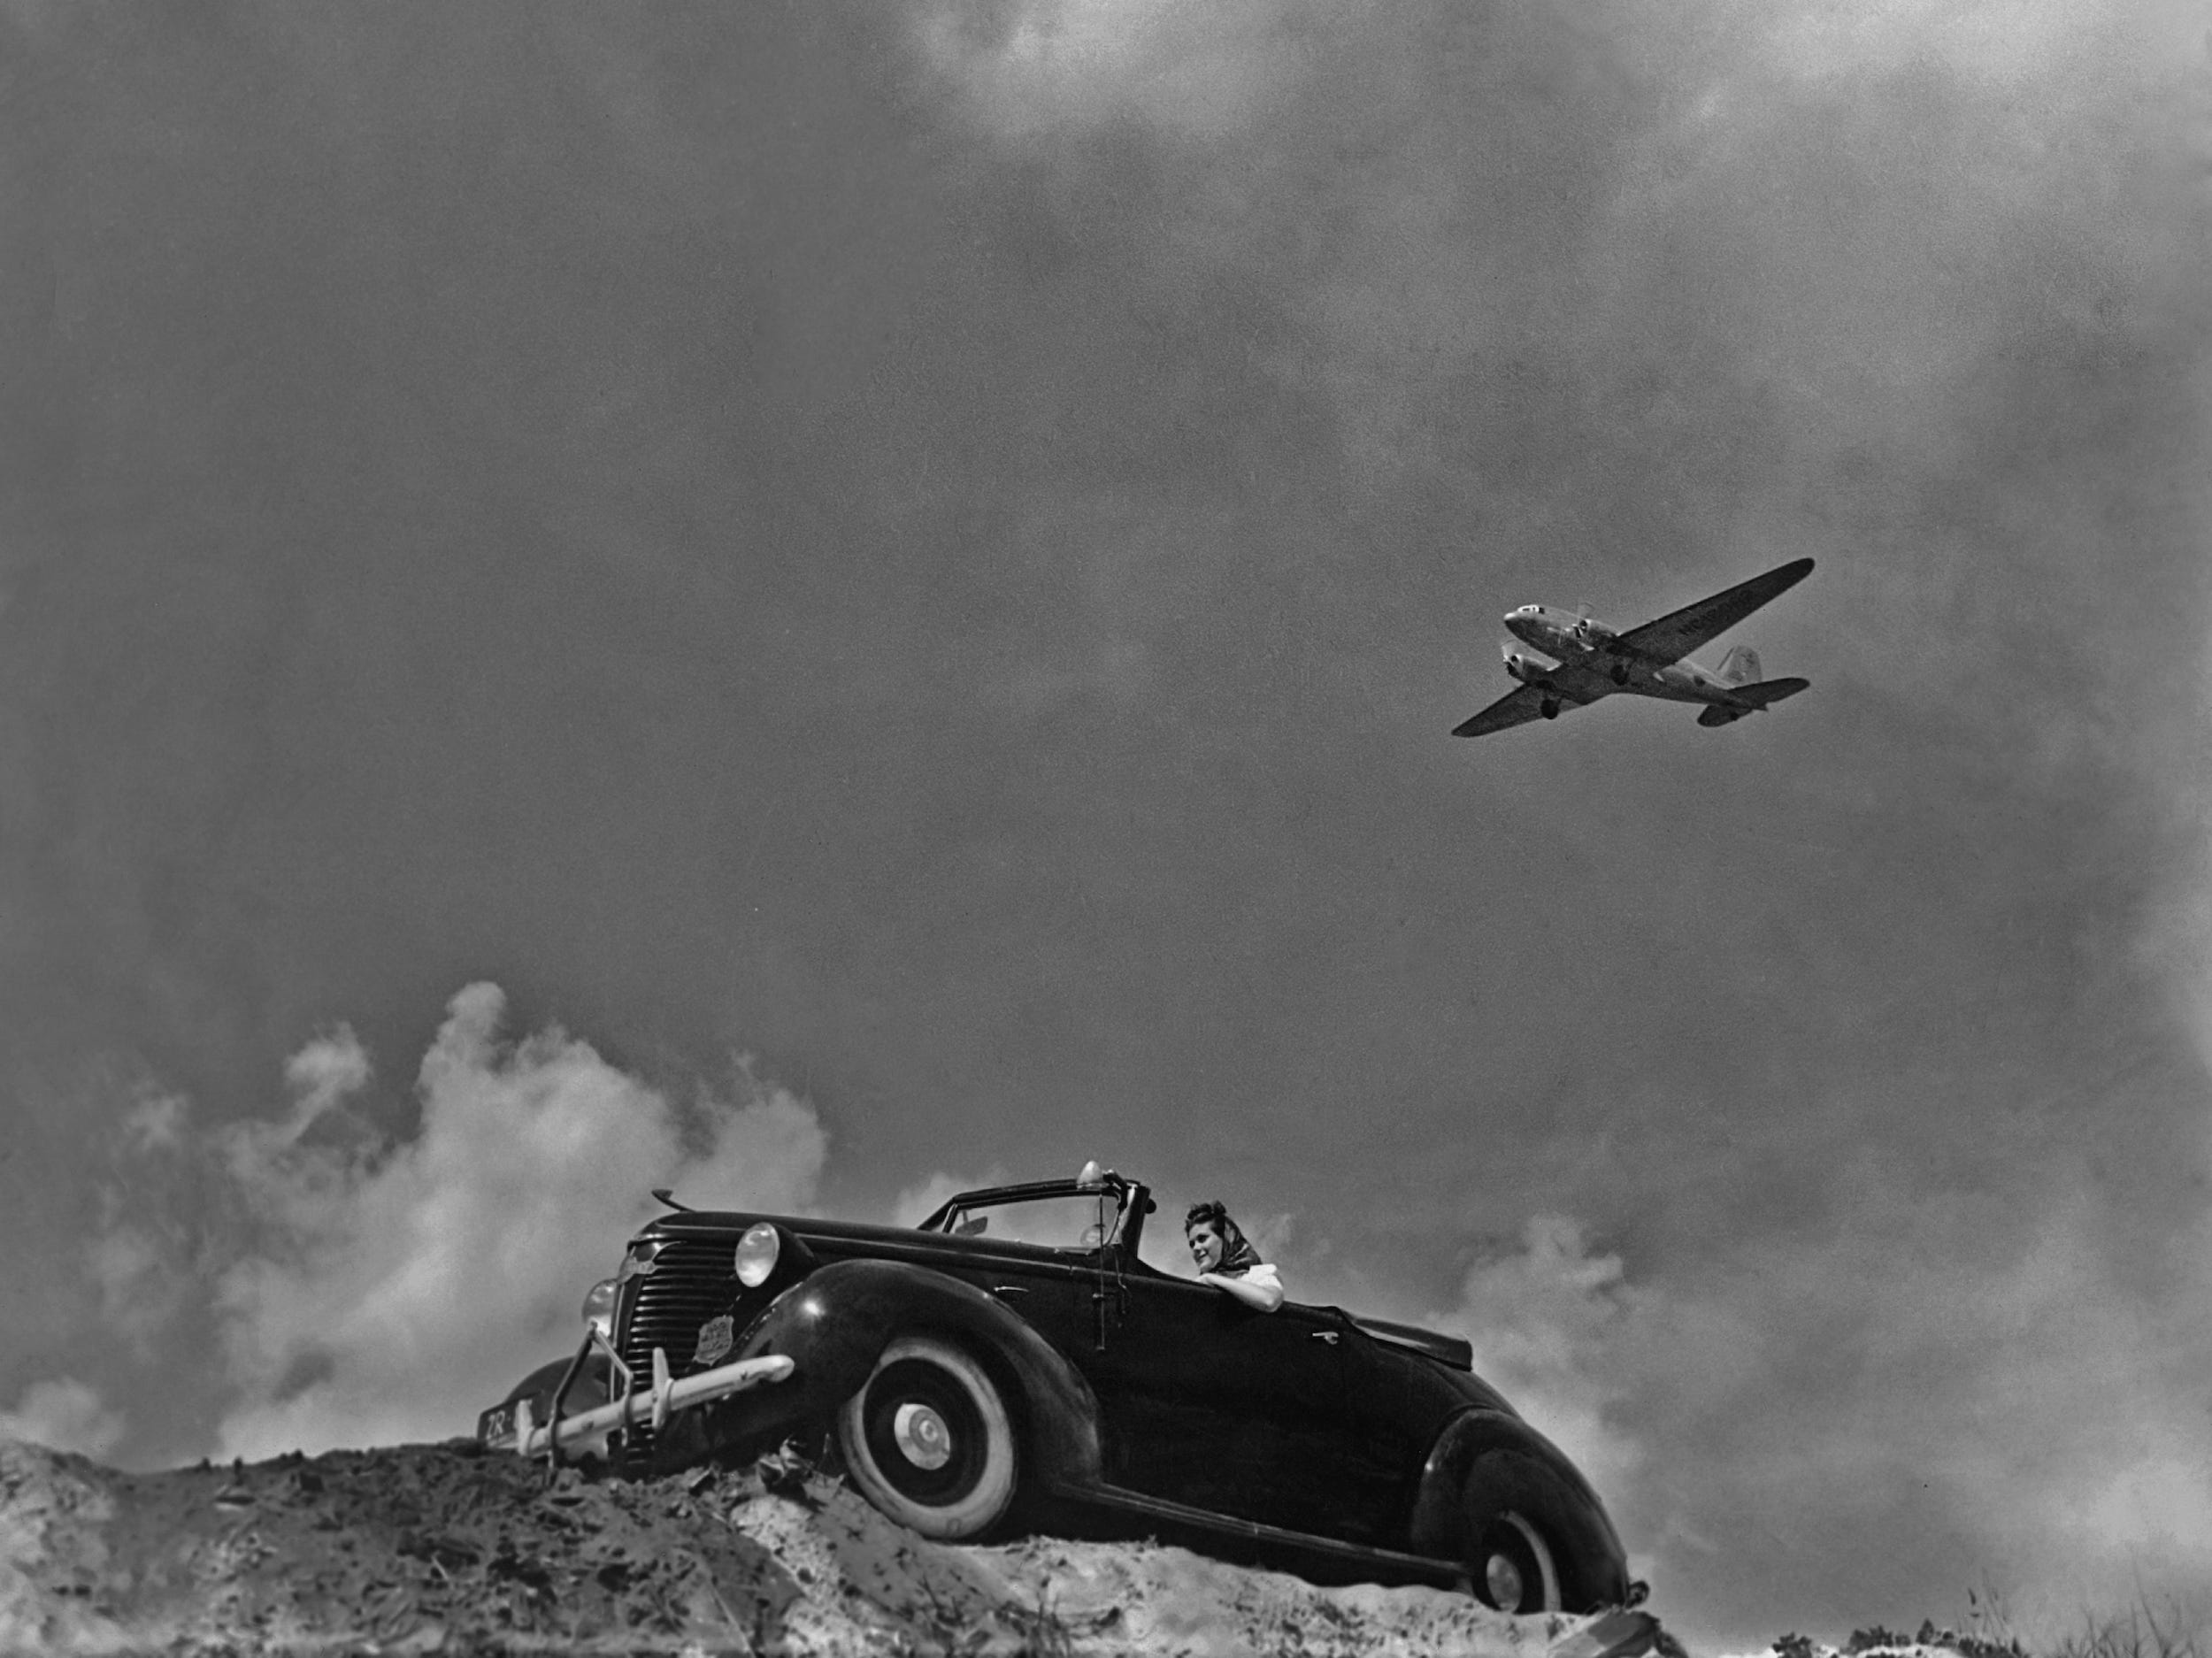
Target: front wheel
{"points": [[928, 1441]]}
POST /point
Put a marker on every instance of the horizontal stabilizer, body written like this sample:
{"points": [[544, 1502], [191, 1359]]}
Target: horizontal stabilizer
{"points": [[1746, 699], [1768, 692]]}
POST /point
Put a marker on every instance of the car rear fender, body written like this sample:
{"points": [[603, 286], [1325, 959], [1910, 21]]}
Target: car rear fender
{"points": [[835, 1322], [1441, 1503]]}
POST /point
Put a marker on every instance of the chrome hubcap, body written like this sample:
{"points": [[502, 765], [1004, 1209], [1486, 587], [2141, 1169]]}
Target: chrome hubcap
{"points": [[1504, 1579], [921, 1436]]}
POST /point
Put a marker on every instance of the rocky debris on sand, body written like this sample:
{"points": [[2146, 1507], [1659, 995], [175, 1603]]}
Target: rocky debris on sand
{"points": [[1929, 1641], [422, 1549]]}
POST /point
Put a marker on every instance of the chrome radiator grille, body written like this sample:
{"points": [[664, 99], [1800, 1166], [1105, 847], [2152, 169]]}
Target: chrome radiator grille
{"points": [[690, 1283]]}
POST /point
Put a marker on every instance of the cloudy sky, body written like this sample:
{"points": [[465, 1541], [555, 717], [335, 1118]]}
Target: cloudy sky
{"points": [[815, 599]]}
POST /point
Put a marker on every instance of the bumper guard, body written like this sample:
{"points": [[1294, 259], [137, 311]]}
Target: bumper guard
{"points": [[652, 1403]]}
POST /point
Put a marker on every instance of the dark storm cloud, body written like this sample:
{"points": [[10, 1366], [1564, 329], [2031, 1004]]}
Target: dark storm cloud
{"points": [[941, 544]]}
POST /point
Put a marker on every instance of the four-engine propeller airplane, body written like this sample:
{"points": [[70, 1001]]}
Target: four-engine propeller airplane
{"points": [[1595, 660]]}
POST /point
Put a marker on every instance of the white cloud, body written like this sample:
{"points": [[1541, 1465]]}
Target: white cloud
{"points": [[155, 1123], [140, 1290], [399, 1289], [1030, 67], [1940, 1375], [1541, 1320], [64, 1414], [2005, 44], [139, 1256], [326, 1071]]}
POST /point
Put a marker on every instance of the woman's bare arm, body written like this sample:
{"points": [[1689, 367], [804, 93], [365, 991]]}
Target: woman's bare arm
{"points": [[1259, 1288]]}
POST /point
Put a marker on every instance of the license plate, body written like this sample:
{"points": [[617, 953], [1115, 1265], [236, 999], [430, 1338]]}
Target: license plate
{"points": [[494, 1425]]}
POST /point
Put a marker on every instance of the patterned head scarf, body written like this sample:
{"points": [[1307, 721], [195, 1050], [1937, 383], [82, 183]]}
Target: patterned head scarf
{"points": [[1238, 1256]]}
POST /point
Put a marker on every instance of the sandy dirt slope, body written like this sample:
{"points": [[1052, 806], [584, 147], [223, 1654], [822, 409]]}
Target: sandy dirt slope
{"points": [[442, 1548]]}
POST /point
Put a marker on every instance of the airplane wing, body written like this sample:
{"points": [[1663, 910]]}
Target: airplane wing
{"points": [[1517, 707], [1675, 636]]}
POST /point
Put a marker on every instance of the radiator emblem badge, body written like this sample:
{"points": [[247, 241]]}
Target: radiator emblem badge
{"points": [[717, 1337]]}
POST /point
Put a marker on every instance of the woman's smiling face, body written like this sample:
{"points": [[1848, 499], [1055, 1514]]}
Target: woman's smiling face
{"points": [[1206, 1246]]}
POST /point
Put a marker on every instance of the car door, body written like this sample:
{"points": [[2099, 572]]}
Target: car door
{"points": [[1208, 1402], [1396, 1403], [1040, 1255]]}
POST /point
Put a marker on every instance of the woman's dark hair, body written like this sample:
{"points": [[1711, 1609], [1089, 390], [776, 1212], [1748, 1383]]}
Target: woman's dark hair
{"points": [[1212, 1211]]}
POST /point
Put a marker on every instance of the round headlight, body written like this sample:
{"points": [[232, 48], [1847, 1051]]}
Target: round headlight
{"points": [[599, 1308], [756, 1256]]}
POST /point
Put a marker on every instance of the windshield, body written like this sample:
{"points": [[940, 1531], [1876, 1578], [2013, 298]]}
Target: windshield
{"points": [[1076, 1220]]}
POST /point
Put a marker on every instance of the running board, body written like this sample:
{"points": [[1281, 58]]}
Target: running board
{"points": [[1444, 1574]]}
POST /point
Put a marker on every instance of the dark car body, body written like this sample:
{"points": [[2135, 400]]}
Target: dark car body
{"points": [[1352, 1448]]}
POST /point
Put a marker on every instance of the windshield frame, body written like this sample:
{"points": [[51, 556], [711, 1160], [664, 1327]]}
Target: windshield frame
{"points": [[1131, 1204]]}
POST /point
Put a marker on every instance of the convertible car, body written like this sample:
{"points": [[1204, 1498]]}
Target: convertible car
{"points": [[1011, 1363]]}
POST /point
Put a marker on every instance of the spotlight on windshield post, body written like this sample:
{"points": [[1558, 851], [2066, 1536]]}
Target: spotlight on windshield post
{"points": [[1091, 1175]]}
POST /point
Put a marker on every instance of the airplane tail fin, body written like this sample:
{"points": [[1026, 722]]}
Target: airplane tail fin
{"points": [[1739, 666], [1749, 699]]}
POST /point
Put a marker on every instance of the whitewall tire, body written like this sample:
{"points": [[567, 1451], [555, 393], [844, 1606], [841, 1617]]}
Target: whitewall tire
{"points": [[928, 1441]]}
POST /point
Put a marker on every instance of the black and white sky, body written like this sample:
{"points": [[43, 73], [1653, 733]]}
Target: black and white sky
{"points": [[825, 600]]}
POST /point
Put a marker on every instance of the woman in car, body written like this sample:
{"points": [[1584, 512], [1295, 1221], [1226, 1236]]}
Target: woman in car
{"points": [[1227, 1261]]}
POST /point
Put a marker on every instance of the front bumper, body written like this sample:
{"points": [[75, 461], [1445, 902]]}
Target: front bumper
{"points": [[636, 1402]]}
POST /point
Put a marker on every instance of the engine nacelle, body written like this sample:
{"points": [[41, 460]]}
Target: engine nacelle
{"points": [[1527, 670]]}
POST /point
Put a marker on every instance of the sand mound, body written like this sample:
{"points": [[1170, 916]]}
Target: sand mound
{"points": [[444, 1549]]}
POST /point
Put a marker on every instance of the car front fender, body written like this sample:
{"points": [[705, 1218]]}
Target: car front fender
{"points": [[592, 1383], [1476, 1443], [834, 1323]]}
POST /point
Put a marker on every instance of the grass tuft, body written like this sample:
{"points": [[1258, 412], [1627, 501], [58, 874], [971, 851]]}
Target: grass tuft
{"points": [[2141, 1631], [2144, 1630]]}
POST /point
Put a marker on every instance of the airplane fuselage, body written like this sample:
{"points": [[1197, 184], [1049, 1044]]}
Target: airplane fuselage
{"points": [[1590, 662]]}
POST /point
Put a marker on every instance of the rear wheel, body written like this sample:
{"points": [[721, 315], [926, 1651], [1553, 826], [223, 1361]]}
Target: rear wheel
{"points": [[928, 1441], [1512, 1566], [1530, 1547]]}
